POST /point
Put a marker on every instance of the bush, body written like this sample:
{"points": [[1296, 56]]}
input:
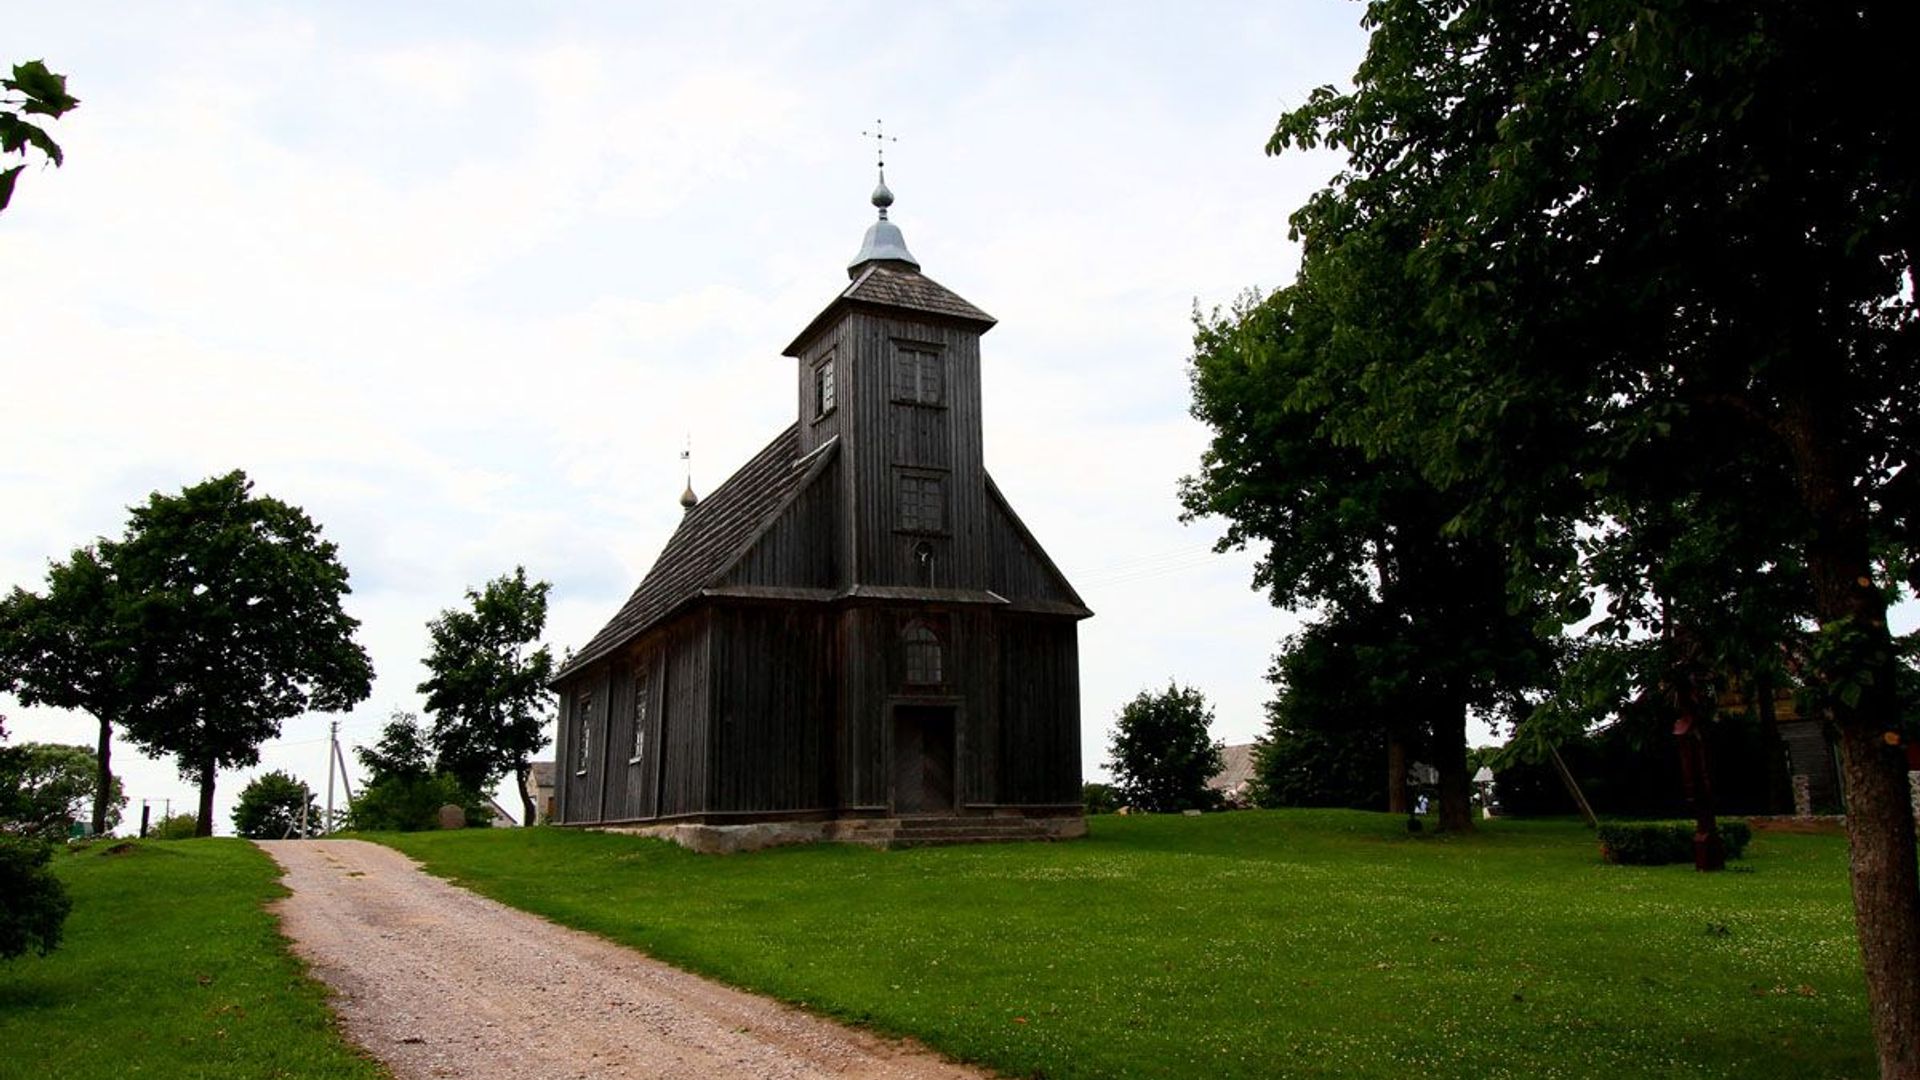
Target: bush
{"points": [[1098, 798], [1162, 756], [275, 806], [176, 827], [1659, 843], [33, 903], [412, 804]]}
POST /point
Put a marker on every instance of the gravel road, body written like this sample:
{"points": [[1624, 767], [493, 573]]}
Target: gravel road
{"points": [[438, 982]]}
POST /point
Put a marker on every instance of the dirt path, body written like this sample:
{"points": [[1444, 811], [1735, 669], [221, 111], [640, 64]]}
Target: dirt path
{"points": [[438, 982]]}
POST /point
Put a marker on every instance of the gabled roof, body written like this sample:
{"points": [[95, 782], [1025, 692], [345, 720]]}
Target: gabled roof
{"points": [[884, 285], [711, 538]]}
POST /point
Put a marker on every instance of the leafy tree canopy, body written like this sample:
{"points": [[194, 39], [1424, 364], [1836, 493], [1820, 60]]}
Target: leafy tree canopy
{"points": [[235, 602], [1161, 754], [45, 788], [32, 91], [402, 750], [1665, 256], [275, 806], [72, 647], [487, 687]]}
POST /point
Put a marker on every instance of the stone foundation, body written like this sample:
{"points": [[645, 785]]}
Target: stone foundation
{"points": [[887, 833]]}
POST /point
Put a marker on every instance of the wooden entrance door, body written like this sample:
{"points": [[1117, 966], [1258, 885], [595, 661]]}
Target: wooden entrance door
{"points": [[923, 759]]}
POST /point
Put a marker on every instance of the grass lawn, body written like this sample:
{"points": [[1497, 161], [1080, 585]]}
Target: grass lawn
{"points": [[170, 967], [1280, 943]]}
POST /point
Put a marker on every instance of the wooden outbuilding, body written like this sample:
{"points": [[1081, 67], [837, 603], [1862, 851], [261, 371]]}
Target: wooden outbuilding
{"points": [[855, 630]]}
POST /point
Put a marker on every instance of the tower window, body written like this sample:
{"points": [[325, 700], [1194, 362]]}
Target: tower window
{"points": [[583, 731], [639, 719], [923, 503], [918, 377], [922, 647], [823, 388]]}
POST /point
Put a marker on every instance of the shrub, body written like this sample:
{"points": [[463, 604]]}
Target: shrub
{"points": [[1098, 798], [175, 827], [1162, 756], [33, 903], [274, 806], [1658, 843], [412, 804]]}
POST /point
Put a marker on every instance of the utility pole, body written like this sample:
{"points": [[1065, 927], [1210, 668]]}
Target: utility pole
{"points": [[333, 755], [306, 796]]}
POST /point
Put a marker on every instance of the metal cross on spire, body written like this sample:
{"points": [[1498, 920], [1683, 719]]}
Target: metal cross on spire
{"points": [[882, 197], [880, 141]]}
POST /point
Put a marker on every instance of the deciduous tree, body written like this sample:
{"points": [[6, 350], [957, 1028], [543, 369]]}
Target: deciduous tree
{"points": [[46, 787], [1161, 753], [32, 91], [274, 806], [1666, 258], [70, 648], [487, 691], [234, 601]]}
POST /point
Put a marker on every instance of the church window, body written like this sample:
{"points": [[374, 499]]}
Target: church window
{"points": [[918, 377], [923, 655], [583, 731], [823, 393], [639, 719], [923, 503]]}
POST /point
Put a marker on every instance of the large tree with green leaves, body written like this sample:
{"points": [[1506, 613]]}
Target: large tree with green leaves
{"points": [[233, 604], [1415, 627], [45, 788], [1631, 225], [69, 648], [487, 687], [1161, 752], [275, 806], [31, 91]]}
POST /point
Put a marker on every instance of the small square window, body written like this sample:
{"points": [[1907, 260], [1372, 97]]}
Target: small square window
{"points": [[923, 503], [823, 391], [917, 377]]}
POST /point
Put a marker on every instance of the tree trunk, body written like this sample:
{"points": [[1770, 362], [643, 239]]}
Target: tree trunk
{"points": [[1696, 774], [1397, 770], [103, 795], [204, 826], [1886, 895], [527, 811], [1450, 758], [1856, 659]]}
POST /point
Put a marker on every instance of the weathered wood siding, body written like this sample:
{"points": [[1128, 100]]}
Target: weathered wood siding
{"points": [[801, 548], [880, 436], [1039, 736], [772, 699]]}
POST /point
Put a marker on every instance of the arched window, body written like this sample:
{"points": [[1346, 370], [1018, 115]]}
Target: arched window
{"points": [[923, 654]]}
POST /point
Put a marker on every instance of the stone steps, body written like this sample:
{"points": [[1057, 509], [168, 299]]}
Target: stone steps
{"points": [[895, 833]]}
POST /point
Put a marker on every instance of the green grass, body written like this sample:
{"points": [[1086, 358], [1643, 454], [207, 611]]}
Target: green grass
{"points": [[171, 967], [1286, 943]]}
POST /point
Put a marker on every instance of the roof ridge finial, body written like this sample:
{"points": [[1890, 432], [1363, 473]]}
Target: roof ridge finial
{"points": [[882, 197], [688, 500]]}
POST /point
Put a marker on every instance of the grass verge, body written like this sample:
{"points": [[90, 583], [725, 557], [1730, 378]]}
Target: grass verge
{"points": [[171, 967], [1258, 944]]}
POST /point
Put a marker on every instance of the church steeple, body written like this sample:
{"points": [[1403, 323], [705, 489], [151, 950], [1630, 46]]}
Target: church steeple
{"points": [[883, 243]]}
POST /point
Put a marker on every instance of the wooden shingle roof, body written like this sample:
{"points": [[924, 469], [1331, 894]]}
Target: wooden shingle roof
{"points": [[711, 538], [892, 285]]}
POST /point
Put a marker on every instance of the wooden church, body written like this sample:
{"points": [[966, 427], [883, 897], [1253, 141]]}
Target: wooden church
{"points": [[854, 636]]}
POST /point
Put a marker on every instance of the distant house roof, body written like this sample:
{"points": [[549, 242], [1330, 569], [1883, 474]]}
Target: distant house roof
{"points": [[884, 285], [500, 818], [711, 538], [1236, 770], [540, 774]]}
